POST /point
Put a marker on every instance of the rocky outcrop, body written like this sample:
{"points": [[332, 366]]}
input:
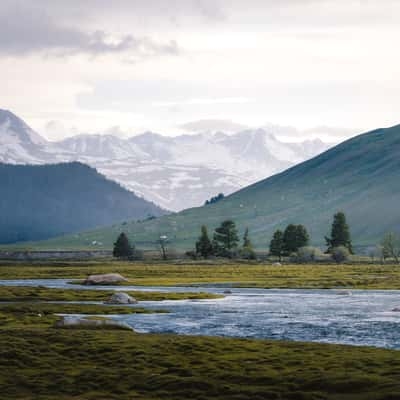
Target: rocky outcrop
{"points": [[105, 279], [121, 298], [88, 322]]}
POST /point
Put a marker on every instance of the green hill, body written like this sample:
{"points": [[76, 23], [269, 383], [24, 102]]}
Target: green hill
{"points": [[360, 177], [38, 202]]}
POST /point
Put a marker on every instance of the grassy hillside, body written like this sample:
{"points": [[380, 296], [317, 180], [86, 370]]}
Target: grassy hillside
{"points": [[360, 177], [38, 202]]}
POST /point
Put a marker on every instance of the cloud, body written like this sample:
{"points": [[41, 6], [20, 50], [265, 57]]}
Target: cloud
{"points": [[25, 30]]}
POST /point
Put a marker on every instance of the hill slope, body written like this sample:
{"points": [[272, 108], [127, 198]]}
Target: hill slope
{"points": [[39, 202], [360, 176]]}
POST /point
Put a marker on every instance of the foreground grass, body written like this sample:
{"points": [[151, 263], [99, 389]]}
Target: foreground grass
{"points": [[38, 361], [26, 293], [240, 274]]}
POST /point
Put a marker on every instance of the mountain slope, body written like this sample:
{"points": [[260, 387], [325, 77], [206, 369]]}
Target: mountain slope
{"points": [[175, 172], [39, 202], [360, 176]]}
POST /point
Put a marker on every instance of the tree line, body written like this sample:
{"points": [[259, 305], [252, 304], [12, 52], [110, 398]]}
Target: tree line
{"points": [[292, 242]]}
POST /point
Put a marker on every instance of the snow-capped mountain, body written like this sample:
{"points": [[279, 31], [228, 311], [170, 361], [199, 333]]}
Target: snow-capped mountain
{"points": [[174, 172]]}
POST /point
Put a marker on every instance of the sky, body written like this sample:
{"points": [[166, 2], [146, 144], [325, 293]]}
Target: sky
{"points": [[310, 67]]}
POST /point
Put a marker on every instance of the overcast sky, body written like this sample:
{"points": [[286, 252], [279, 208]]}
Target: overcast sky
{"points": [[94, 65]]}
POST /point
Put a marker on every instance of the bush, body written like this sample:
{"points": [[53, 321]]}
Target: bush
{"points": [[191, 254], [247, 253], [340, 254], [307, 254]]}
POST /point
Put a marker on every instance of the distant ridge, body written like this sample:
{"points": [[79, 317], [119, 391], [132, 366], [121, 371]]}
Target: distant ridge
{"points": [[42, 201], [174, 172]]}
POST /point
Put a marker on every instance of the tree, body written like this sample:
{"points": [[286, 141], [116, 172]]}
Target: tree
{"points": [[247, 250], [246, 239], [162, 242], [225, 239], [391, 246], [203, 245], [122, 247], [294, 237], [276, 246], [340, 234]]}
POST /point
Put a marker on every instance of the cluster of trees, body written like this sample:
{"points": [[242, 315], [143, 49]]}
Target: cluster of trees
{"points": [[295, 240], [225, 242], [214, 199], [290, 241]]}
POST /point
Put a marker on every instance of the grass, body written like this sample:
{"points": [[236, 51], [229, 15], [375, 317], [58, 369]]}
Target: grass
{"points": [[26, 293], [240, 274], [38, 361]]}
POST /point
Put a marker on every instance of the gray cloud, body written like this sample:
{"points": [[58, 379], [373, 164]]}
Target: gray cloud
{"points": [[25, 30]]}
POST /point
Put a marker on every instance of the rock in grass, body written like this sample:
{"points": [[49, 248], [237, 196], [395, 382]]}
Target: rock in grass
{"points": [[104, 279], [121, 298], [87, 322]]}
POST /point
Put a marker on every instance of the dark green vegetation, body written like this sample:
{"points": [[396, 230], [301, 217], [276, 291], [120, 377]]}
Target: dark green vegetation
{"points": [[340, 234], [38, 202], [239, 274], [25, 293], [122, 247], [359, 177], [39, 361]]}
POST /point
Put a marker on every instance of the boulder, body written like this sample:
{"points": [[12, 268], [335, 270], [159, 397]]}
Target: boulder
{"points": [[277, 264], [104, 279], [344, 293], [69, 321], [396, 309], [121, 298], [227, 292]]}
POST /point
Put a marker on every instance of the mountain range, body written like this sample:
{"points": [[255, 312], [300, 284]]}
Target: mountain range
{"points": [[360, 177], [174, 172], [42, 201]]}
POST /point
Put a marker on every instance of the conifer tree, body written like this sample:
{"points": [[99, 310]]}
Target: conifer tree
{"points": [[276, 246], [247, 250], [302, 236], [294, 237], [290, 239], [203, 245], [246, 239], [122, 247], [340, 234], [226, 239]]}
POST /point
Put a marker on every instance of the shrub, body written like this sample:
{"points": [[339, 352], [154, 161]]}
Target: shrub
{"points": [[340, 254], [247, 253], [308, 254], [191, 254]]}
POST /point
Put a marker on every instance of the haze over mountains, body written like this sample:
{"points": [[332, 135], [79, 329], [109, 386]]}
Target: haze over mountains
{"points": [[174, 172], [361, 177]]}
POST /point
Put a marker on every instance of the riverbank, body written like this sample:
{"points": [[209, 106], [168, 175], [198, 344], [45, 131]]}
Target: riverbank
{"points": [[299, 276]]}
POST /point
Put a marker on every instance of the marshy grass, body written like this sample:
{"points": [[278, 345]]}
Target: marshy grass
{"points": [[38, 361], [305, 276]]}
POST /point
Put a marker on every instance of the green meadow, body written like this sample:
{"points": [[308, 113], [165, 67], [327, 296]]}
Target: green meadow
{"points": [[41, 361]]}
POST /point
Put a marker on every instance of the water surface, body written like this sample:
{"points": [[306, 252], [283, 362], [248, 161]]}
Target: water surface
{"points": [[363, 317]]}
